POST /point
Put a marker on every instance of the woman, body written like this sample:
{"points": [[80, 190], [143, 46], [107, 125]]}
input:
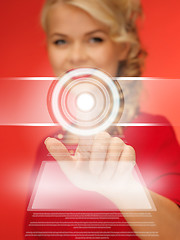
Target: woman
{"points": [[102, 34]]}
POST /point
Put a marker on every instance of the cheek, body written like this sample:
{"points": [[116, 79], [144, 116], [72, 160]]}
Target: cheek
{"points": [[107, 59], [55, 58], [112, 54], [107, 54]]}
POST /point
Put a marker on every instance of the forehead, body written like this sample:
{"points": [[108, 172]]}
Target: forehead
{"points": [[64, 17]]}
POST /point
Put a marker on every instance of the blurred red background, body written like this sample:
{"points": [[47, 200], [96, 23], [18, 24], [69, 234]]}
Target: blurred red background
{"points": [[23, 54]]}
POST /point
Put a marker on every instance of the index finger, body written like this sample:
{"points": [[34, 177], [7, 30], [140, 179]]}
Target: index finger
{"points": [[57, 150]]}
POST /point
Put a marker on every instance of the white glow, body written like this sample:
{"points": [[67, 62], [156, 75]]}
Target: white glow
{"points": [[58, 124], [53, 191], [85, 102], [83, 72]]}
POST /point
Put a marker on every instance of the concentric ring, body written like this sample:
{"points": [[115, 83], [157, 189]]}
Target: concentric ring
{"points": [[62, 101]]}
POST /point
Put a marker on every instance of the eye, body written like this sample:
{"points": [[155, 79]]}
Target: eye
{"points": [[60, 42], [96, 40]]}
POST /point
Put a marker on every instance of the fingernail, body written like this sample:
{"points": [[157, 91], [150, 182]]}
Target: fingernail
{"points": [[46, 140]]}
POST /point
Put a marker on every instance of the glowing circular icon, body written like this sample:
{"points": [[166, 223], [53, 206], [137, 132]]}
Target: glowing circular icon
{"points": [[85, 101]]}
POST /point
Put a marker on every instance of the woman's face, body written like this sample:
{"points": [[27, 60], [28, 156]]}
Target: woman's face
{"points": [[76, 40]]}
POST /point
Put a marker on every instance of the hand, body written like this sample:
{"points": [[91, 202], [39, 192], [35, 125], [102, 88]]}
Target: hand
{"points": [[103, 164]]}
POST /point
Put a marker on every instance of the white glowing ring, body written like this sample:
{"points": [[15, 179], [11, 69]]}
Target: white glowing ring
{"points": [[79, 73], [78, 83]]}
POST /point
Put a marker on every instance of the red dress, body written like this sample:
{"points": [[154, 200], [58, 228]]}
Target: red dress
{"points": [[158, 159]]}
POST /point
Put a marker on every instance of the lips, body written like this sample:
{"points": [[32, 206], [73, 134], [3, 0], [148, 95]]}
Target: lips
{"points": [[78, 77]]}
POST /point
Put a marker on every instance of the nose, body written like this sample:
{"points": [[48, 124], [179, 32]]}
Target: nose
{"points": [[78, 55]]}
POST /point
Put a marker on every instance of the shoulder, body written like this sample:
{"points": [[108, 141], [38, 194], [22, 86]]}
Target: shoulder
{"points": [[149, 126], [151, 135], [156, 126], [151, 119]]}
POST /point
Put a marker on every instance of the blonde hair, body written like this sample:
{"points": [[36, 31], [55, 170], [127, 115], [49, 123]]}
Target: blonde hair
{"points": [[120, 16]]}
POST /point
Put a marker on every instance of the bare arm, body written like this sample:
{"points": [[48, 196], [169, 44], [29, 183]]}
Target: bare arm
{"points": [[166, 219]]}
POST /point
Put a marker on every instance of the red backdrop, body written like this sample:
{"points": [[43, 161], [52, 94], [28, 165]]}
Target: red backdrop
{"points": [[23, 53]]}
